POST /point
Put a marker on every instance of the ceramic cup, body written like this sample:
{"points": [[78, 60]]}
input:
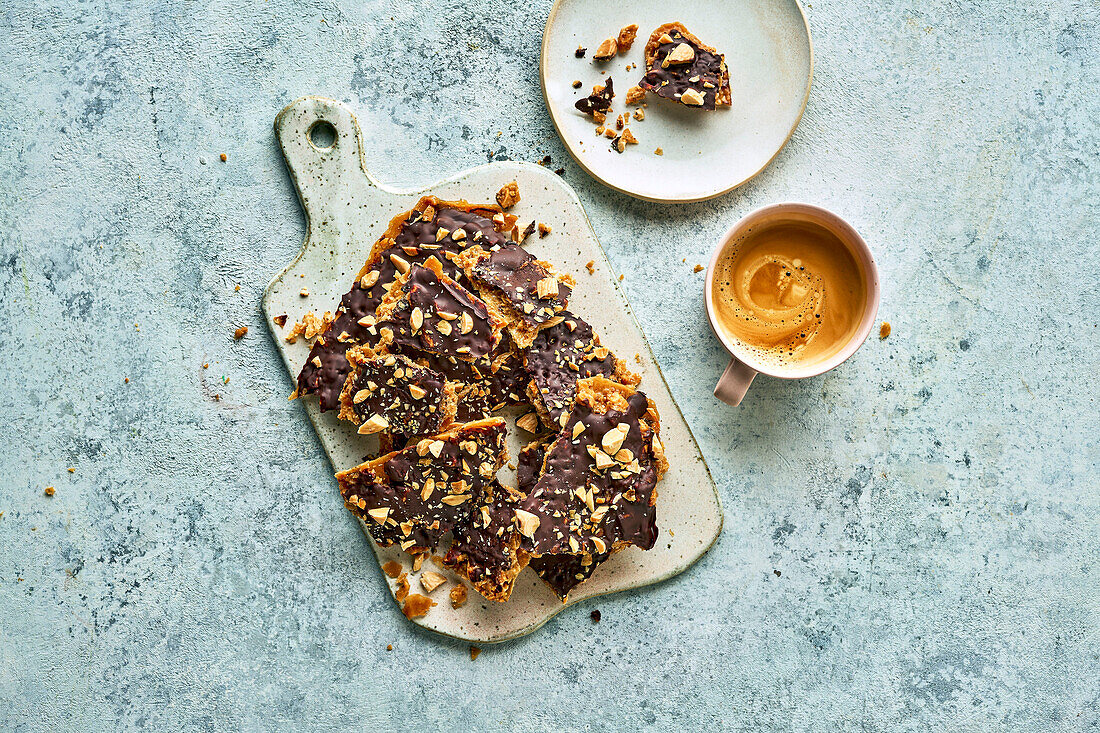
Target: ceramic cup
{"points": [[743, 367]]}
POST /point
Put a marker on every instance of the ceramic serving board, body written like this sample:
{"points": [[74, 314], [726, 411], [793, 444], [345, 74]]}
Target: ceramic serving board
{"points": [[704, 154], [346, 210]]}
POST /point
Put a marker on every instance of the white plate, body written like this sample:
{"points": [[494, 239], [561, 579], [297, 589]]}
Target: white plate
{"points": [[346, 210], [770, 58]]}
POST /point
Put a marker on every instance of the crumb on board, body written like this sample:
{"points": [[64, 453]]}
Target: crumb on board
{"points": [[595, 615], [237, 288], [637, 358], [634, 95], [639, 114], [416, 606], [580, 52], [474, 651], [508, 195], [591, 265], [658, 151], [72, 469], [402, 591], [576, 83], [698, 268], [49, 491], [126, 380], [458, 596], [280, 321], [223, 157], [884, 330], [389, 647], [621, 277], [392, 568], [240, 333], [205, 365], [544, 229], [304, 292]]}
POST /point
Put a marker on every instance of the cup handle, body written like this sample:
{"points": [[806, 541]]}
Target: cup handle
{"points": [[734, 382]]}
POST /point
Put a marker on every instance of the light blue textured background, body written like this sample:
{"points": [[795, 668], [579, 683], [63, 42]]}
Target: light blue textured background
{"points": [[912, 542]]}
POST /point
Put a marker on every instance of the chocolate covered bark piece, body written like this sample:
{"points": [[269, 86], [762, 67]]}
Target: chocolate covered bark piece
{"points": [[391, 393], [562, 353], [486, 547], [562, 572], [433, 228], [413, 496], [426, 311], [597, 491], [599, 101], [526, 291], [682, 68]]}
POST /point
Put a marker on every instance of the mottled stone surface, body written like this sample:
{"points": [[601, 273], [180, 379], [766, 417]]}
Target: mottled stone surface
{"points": [[912, 542]]}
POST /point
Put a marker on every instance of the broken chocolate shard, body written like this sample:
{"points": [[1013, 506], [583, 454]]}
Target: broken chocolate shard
{"points": [[682, 68], [413, 496], [486, 547], [559, 356], [598, 101], [597, 488], [390, 392], [412, 238], [428, 311]]}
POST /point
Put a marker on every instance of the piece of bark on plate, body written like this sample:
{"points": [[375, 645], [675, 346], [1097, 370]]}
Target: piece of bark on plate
{"points": [[528, 292], [682, 68], [562, 572], [560, 355], [411, 238], [413, 496], [485, 549], [597, 491], [426, 311], [390, 392]]}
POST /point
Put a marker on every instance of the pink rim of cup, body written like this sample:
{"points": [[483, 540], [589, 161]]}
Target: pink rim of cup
{"points": [[743, 367]]}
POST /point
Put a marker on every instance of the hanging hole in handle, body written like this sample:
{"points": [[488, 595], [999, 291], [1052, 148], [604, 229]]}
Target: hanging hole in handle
{"points": [[322, 136]]}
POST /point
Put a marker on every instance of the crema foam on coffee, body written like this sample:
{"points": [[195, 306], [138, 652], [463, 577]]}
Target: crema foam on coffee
{"points": [[791, 294]]}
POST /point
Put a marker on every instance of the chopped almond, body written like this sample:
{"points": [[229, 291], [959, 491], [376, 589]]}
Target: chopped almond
{"points": [[431, 580], [606, 50], [458, 596]]}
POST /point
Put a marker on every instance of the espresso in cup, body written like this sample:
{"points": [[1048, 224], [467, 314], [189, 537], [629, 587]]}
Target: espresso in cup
{"points": [[790, 293]]}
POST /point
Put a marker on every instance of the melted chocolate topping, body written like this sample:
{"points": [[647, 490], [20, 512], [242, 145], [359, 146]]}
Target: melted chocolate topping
{"points": [[414, 243], [559, 356], [426, 494], [417, 322], [705, 73], [383, 387], [516, 274], [617, 486], [484, 546], [597, 101], [561, 572]]}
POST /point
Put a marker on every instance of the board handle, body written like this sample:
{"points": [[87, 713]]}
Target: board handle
{"points": [[323, 148]]}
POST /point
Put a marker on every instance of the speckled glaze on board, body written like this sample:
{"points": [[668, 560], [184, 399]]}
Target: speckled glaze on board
{"points": [[346, 210]]}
